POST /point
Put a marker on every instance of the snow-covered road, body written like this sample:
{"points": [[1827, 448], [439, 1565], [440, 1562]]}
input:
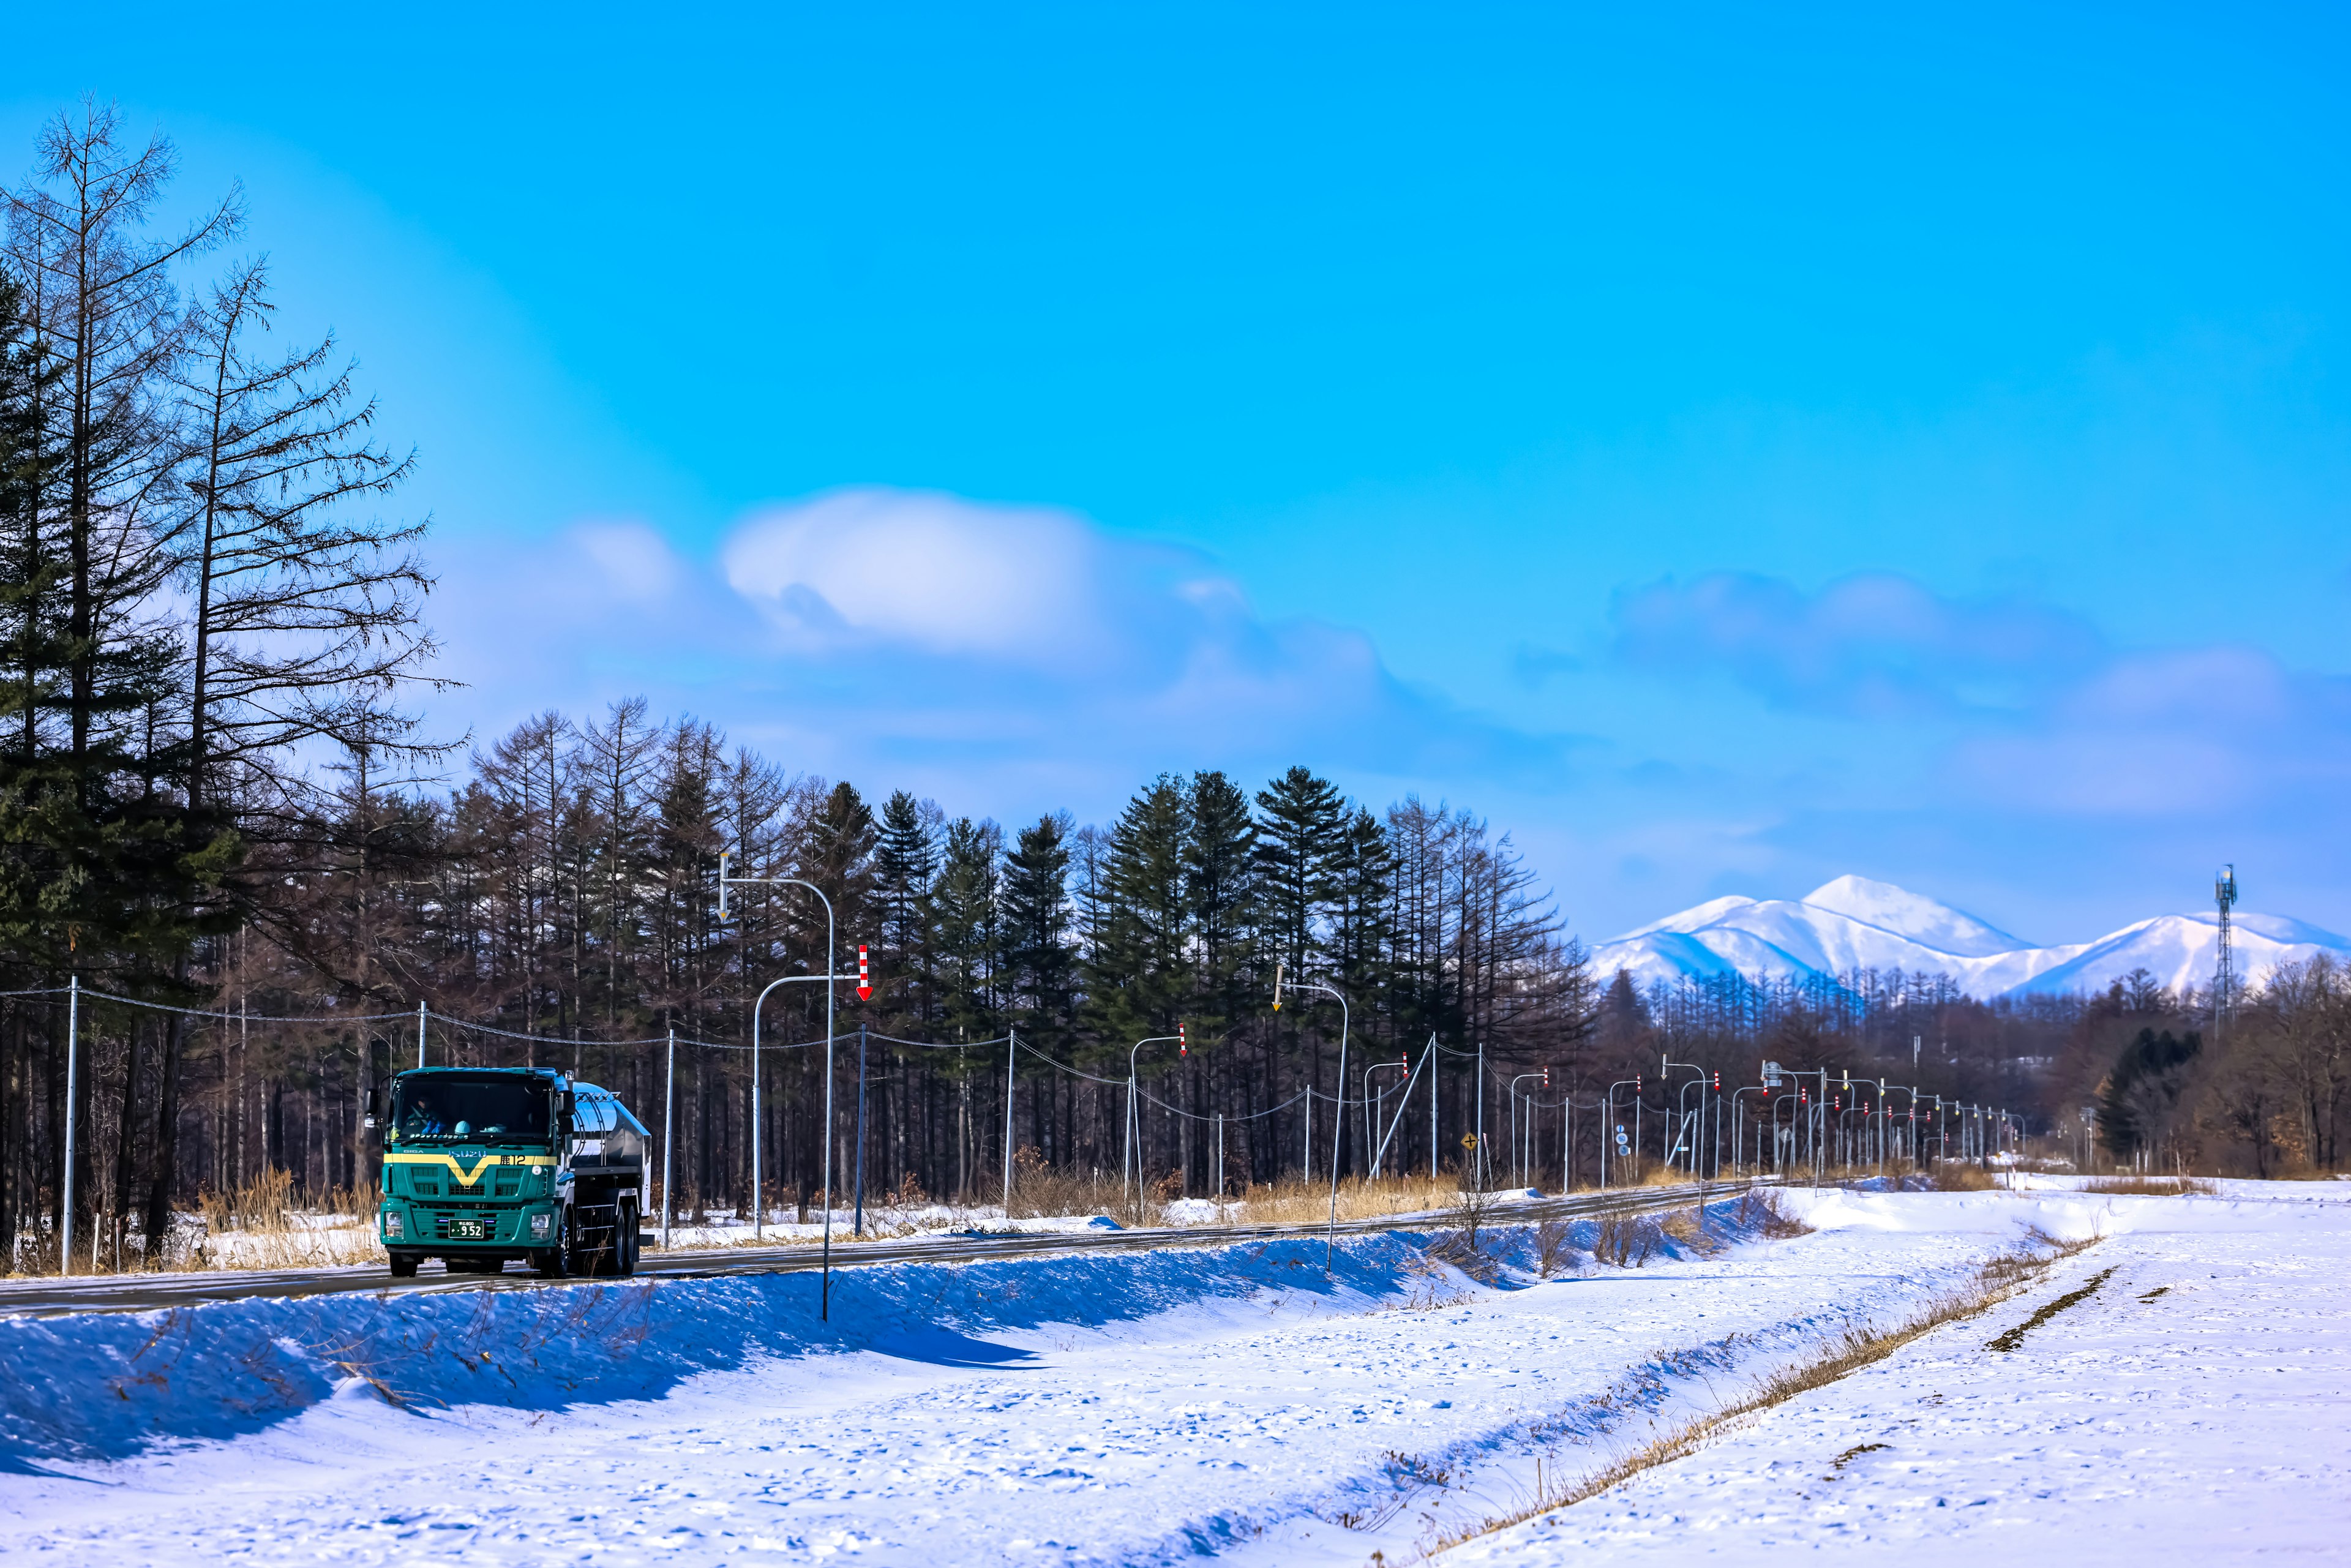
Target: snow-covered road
{"points": [[1141, 1409]]}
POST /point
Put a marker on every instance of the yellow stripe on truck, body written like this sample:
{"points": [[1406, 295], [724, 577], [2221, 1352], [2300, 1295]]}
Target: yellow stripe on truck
{"points": [[465, 1178]]}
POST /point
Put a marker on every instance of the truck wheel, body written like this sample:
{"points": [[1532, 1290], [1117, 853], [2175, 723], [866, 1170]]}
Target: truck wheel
{"points": [[403, 1265], [624, 1242], [554, 1262]]}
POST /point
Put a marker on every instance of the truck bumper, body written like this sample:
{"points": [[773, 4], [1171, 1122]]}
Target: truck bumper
{"points": [[433, 1228]]}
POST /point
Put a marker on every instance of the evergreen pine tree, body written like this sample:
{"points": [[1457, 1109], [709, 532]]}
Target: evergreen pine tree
{"points": [[1040, 961], [1142, 978], [1220, 892], [1363, 931], [905, 869], [968, 940], [1301, 819]]}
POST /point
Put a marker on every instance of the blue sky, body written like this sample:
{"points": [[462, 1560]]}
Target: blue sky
{"points": [[1728, 447]]}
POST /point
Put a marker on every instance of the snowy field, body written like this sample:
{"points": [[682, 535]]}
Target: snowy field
{"points": [[1235, 1402]]}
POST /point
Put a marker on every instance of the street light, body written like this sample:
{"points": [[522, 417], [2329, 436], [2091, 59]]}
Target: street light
{"points": [[1608, 1128], [1130, 1125], [1339, 1117], [1520, 1140], [1738, 1127], [1681, 1109], [1374, 1116], [758, 1198]]}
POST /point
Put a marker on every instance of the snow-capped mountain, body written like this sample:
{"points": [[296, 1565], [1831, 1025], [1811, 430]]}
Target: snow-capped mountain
{"points": [[1853, 923]]}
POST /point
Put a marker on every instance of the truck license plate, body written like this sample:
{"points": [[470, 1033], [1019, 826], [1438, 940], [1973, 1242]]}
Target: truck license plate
{"points": [[468, 1230]]}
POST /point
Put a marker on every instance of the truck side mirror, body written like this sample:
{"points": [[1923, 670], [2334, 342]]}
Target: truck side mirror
{"points": [[374, 1104], [567, 1110]]}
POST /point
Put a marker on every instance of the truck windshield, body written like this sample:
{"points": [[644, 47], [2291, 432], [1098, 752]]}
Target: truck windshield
{"points": [[472, 1110]]}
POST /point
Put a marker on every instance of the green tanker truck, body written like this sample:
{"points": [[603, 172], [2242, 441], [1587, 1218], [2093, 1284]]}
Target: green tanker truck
{"points": [[483, 1166]]}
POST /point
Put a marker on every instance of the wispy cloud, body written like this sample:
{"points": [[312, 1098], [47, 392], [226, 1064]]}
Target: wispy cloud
{"points": [[1873, 646], [1008, 648]]}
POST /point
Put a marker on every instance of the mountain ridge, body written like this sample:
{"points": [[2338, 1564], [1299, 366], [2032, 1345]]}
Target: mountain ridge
{"points": [[1853, 923]]}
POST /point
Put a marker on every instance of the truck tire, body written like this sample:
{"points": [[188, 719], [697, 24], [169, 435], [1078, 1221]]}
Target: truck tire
{"points": [[555, 1262], [624, 1242], [403, 1265]]}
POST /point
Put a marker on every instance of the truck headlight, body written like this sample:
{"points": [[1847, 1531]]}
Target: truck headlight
{"points": [[395, 1224], [539, 1223]]}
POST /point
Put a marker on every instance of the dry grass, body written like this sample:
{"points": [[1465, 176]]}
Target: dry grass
{"points": [[1042, 1191], [2148, 1185], [1840, 1357], [1293, 1201], [266, 1206], [1759, 1212], [1689, 1229], [262, 1224]]}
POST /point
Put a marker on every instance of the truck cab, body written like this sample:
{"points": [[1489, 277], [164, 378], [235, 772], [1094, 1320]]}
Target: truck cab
{"points": [[483, 1166]]}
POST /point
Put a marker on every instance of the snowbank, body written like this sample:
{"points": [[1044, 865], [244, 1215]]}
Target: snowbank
{"points": [[103, 1385]]}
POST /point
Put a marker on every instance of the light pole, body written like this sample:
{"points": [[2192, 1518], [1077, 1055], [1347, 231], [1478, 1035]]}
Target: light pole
{"points": [[1520, 1138], [66, 1207], [669, 1127], [1739, 1127], [1681, 1109], [1129, 1164], [758, 1199], [1339, 1114], [1375, 1127], [1608, 1128], [1404, 1104], [1900, 1089]]}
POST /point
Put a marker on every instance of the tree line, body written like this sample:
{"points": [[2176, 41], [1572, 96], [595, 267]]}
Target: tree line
{"points": [[216, 795], [194, 595]]}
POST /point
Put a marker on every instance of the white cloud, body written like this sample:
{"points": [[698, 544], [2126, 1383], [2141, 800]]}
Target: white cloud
{"points": [[924, 570], [1010, 657]]}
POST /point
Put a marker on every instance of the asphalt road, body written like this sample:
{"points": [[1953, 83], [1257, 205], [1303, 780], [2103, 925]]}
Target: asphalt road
{"points": [[146, 1293]]}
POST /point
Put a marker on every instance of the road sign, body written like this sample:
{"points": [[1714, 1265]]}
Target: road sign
{"points": [[1469, 1140], [865, 975]]}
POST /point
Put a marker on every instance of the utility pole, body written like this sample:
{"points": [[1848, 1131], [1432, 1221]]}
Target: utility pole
{"points": [[2224, 976], [861, 1114], [669, 1128], [66, 1218], [1331, 1248]]}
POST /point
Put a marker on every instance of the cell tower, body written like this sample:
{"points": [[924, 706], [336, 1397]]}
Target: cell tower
{"points": [[2224, 975]]}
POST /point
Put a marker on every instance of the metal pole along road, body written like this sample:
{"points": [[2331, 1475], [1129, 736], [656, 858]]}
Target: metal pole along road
{"points": [[420, 1034], [1389, 1132], [65, 1224], [1339, 1113], [1011, 1047], [860, 1183], [1608, 1122], [759, 1207], [1433, 1070], [1482, 1116], [1522, 1139], [669, 1129], [1133, 1163], [759, 1192]]}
